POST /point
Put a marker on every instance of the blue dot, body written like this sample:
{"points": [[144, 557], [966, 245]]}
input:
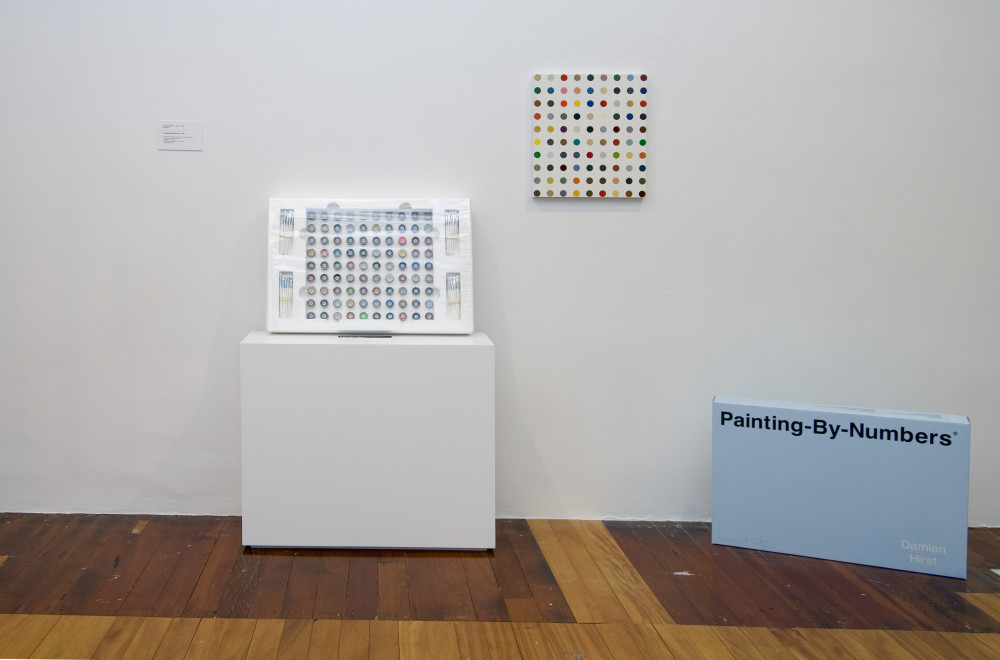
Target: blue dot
{"points": [[631, 77], [628, 116], [642, 90], [590, 90], [590, 104], [552, 90]]}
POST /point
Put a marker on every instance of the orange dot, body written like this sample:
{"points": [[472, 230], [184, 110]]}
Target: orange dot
{"points": [[642, 154]]}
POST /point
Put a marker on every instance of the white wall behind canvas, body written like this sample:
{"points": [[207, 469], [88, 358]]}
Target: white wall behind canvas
{"points": [[821, 225]]}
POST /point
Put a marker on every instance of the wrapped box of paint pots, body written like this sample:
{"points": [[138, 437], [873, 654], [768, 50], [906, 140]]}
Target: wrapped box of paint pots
{"points": [[370, 266]]}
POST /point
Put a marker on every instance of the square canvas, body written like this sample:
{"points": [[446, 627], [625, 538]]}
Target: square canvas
{"points": [[588, 134]]}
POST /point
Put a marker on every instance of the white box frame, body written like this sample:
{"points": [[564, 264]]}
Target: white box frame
{"points": [[442, 226]]}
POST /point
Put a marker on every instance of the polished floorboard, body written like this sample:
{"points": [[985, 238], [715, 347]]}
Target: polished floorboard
{"points": [[111, 586]]}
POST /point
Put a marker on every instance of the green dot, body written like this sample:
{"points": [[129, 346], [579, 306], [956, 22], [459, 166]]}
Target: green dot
{"points": [[642, 181], [615, 154], [538, 90], [617, 77], [642, 142], [538, 154], [562, 180]]}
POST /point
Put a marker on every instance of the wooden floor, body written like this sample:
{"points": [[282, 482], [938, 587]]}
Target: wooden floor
{"points": [[184, 587]]}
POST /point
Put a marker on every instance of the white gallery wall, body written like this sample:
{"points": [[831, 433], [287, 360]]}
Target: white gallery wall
{"points": [[822, 224]]}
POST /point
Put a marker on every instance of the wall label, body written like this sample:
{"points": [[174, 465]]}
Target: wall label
{"points": [[180, 135]]}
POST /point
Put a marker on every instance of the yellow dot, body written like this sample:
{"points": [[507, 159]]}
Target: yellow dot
{"points": [[549, 180], [614, 194], [576, 103], [537, 141], [628, 154], [576, 193], [552, 129]]}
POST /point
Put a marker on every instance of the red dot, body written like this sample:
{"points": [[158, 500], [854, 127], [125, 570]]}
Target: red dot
{"points": [[604, 104], [590, 154], [538, 115], [642, 77], [602, 193], [563, 104], [642, 193], [616, 142], [564, 77], [642, 103]]}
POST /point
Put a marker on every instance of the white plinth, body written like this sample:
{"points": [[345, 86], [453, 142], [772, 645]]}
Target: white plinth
{"points": [[368, 442]]}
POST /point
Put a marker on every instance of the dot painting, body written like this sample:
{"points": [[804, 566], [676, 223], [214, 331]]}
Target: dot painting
{"points": [[589, 135]]}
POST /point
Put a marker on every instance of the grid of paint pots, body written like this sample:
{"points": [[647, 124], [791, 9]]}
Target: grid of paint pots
{"points": [[371, 264]]}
